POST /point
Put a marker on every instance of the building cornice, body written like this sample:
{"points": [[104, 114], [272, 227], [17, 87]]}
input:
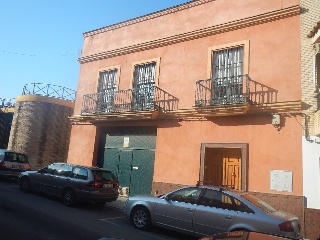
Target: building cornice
{"points": [[44, 99], [196, 113], [147, 17], [200, 33]]}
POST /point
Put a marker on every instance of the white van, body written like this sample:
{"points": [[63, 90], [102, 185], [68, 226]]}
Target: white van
{"points": [[13, 163]]}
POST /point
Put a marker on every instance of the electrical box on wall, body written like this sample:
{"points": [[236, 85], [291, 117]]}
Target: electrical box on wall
{"points": [[281, 180], [275, 119]]}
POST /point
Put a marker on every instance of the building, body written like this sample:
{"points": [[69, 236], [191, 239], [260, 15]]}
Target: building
{"points": [[40, 126], [221, 91], [6, 115]]}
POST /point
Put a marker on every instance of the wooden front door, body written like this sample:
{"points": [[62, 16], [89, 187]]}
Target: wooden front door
{"points": [[231, 168], [223, 167]]}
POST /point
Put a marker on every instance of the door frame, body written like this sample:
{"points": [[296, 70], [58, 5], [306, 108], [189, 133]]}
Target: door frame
{"points": [[244, 159]]}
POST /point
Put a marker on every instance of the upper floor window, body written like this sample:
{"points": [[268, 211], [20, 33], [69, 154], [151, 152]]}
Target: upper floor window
{"points": [[108, 80], [228, 69], [227, 63], [106, 89], [227, 75], [144, 75], [144, 78]]}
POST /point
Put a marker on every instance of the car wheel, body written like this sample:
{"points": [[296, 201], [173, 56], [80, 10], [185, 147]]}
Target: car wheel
{"points": [[141, 218], [68, 197], [25, 185]]}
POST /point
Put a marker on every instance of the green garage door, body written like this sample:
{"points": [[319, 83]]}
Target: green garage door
{"points": [[142, 172], [130, 155]]}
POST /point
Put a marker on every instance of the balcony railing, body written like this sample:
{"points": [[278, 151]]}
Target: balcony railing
{"points": [[49, 90], [147, 98], [222, 91]]}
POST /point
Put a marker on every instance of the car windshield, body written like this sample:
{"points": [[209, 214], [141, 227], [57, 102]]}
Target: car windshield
{"points": [[259, 203], [100, 175], [22, 159]]}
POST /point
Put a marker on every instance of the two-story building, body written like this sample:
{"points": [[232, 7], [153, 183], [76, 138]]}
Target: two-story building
{"points": [[221, 91]]}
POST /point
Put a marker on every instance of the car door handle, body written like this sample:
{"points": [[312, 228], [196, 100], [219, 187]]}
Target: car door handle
{"points": [[190, 210], [228, 217]]}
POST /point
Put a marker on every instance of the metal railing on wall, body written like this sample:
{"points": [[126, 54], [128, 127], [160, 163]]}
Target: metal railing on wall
{"points": [[131, 100], [49, 90], [221, 91]]}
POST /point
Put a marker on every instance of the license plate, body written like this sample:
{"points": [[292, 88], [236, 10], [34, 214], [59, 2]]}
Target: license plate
{"points": [[17, 166], [108, 185]]}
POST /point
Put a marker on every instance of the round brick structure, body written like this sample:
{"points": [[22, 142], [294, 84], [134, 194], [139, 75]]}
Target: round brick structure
{"points": [[41, 129]]}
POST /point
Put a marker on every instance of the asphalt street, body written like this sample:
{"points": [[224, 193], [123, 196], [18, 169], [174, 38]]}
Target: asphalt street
{"points": [[25, 216]]}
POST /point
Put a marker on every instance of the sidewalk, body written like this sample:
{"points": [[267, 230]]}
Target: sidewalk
{"points": [[118, 204]]}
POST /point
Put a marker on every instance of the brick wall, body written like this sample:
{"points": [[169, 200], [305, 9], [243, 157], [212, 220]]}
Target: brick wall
{"points": [[310, 15], [42, 131], [288, 203], [312, 226]]}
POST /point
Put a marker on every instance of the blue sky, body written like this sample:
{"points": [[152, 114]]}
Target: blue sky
{"points": [[41, 40]]}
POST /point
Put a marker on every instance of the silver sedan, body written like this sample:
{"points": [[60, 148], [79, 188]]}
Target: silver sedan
{"points": [[206, 210]]}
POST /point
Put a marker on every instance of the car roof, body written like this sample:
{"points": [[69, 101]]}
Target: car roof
{"points": [[5, 150], [11, 151], [227, 189], [203, 184], [78, 165]]}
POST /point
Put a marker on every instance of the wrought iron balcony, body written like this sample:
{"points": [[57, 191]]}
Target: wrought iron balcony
{"points": [[222, 91], [148, 98]]}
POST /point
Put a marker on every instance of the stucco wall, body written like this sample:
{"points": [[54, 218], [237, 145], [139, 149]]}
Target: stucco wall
{"points": [[178, 146], [183, 18], [182, 64], [274, 63], [82, 145]]}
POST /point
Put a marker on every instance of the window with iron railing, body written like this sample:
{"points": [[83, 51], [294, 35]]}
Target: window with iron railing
{"points": [[106, 89], [143, 86], [227, 75]]}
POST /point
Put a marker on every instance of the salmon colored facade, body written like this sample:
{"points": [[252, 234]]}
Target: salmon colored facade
{"points": [[257, 137]]}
